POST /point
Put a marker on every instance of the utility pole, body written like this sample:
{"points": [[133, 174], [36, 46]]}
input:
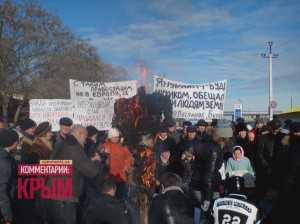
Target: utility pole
{"points": [[270, 56], [291, 103]]}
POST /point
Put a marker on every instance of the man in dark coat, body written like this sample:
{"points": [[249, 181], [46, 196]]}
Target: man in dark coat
{"points": [[201, 131], [163, 141], [90, 146], [205, 168], [64, 211], [106, 208], [265, 157], [241, 135], [173, 132], [286, 209], [185, 156], [28, 127], [172, 206], [65, 125], [8, 144]]}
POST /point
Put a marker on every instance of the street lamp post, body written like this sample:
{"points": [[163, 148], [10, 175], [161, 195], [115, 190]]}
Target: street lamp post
{"points": [[270, 56]]}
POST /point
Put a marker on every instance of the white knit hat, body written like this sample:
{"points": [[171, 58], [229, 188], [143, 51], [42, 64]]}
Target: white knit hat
{"points": [[113, 132]]}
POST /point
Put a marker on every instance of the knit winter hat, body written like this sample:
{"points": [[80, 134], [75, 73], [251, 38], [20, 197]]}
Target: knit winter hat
{"points": [[113, 132], [8, 137], [42, 129], [27, 124]]}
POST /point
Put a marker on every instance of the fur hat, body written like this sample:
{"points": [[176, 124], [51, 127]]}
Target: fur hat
{"points": [[191, 129], [186, 123], [241, 127], [42, 129], [65, 121], [27, 124], [202, 122], [91, 131], [8, 137], [113, 132]]}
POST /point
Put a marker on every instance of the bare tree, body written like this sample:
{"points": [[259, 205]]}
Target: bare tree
{"points": [[38, 55]]}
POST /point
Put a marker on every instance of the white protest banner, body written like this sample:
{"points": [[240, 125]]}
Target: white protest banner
{"points": [[94, 101], [192, 101], [50, 110], [109, 91]]}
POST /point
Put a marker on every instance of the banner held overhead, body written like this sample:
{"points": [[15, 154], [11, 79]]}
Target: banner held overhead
{"points": [[193, 101], [94, 101], [50, 110]]}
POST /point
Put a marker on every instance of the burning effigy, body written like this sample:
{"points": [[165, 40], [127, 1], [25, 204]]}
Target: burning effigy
{"points": [[141, 114], [139, 118]]}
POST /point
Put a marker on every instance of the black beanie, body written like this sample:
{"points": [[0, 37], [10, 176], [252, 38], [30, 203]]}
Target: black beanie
{"points": [[27, 123], [91, 130], [8, 137]]}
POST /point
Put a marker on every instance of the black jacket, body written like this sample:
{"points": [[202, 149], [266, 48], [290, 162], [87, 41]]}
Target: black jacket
{"points": [[70, 149], [106, 210], [161, 145], [172, 207], [7, 183], [208, 161], [184, 167], [26, 156]]}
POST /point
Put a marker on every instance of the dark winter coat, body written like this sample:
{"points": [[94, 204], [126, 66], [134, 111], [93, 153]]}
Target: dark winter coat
{"points": [[90, 148], [106, 210], [171, 207], [208, 161], [7, 183], [250, 151], [265, 150], [185, 166], [71, 149], [203, 137], [26, 147], [40, 150], [161, 145]]}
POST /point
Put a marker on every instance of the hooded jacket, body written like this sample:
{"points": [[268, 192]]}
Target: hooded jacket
{"points": [[171, 207]]}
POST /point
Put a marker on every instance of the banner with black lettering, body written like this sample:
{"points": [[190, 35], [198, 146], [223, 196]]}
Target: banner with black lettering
{"points": [[50, 110], [94, 101], [194, 101]]}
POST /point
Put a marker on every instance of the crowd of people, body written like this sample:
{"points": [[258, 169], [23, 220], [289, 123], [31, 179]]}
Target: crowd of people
{"points": [[173, 176]]}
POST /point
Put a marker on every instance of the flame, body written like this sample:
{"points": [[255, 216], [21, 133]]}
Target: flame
{"points": [[148, 176], [143, 71]]}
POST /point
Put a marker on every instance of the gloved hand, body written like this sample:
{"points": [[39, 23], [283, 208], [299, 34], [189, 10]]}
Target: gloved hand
{"points": [[205, 205]]}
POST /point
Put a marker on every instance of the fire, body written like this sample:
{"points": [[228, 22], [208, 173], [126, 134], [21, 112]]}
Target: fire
{"points": [[148, 176], [143, 71]]}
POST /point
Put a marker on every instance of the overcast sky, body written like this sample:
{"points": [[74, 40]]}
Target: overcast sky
{"points": [[196, 41]]}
